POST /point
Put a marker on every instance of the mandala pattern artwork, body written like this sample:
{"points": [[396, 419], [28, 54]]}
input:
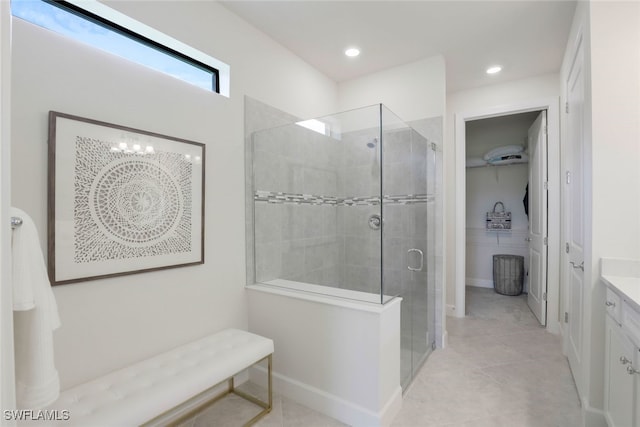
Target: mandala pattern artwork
{"points": [[129, 206]]}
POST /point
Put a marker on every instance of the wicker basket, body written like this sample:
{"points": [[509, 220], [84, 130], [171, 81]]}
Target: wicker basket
{"points": [[508, 274]]}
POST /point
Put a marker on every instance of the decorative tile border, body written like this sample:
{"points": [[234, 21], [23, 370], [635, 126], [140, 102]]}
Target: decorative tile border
{"points": [[409, 199], [292, 198], [309, 199]]}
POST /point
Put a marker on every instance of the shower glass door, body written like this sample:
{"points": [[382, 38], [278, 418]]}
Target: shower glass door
{"points": [[408, 162]]}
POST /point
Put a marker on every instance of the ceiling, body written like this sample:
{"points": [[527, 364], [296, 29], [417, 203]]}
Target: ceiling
{"points": [[527, 38]]}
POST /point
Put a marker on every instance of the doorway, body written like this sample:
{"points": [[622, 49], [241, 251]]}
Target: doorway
{"points": [[505, 171], [552, 188]]}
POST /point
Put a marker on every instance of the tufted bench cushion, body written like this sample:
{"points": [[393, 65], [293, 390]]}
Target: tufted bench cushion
{"points": [[140, 392]]}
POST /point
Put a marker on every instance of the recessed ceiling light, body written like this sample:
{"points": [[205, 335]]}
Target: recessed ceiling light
{"points": [[494, 69], [352, 52]]}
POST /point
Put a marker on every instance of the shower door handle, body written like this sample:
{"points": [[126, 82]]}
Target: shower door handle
{"points": [[419, 252]]}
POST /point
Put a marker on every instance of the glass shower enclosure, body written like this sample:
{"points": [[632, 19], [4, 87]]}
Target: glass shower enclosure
{"points": [[344, 205]]}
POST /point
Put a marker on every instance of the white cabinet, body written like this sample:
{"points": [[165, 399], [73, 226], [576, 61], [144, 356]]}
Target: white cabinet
{"points": [[619, 384], [622, 363]]}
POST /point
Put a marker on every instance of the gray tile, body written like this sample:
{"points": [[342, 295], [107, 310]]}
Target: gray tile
{"points": [[362, 251], [268, 261], [293, 261], [356, 220], [268, 170], [313, 221], [293, 222], [268, 220], [355, 150], [398, 178], [330, 220], [396, 146], [396, 221]]}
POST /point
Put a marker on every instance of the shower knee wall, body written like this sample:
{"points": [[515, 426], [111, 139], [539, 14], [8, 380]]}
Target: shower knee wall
{"points": [[338, 357]]}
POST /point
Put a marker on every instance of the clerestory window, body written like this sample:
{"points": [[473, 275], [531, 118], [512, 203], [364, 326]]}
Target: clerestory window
{"points": [[77, 22]]}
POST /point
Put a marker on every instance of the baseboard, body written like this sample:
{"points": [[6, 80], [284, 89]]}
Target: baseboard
{"points": [[451, 310], [329, 404], [479, 283], [445, 339], [593, 417]]}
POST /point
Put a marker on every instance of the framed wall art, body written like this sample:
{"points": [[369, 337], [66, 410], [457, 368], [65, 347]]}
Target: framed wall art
{"points": [[121, 200]]}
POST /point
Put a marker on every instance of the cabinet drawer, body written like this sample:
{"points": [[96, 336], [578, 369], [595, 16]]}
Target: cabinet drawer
{"points": [[631, 322], [613, 303]]}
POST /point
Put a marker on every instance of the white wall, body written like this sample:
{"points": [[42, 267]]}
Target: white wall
{"points": [[612, 155], [490, 184], [483, 98], [485, 186], [615, 91], [7, 377], [413, 91], [109, 323]]}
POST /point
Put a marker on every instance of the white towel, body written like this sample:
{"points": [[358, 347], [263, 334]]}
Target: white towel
{"points": [[505, 150], [509, 159], [35, 318], [475, 162]]}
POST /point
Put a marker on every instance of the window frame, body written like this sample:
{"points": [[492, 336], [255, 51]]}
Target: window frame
{"points": [[119, 23]]}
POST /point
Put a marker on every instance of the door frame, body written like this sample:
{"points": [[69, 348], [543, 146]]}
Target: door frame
{"points": [[7, 377], [553, 141]]}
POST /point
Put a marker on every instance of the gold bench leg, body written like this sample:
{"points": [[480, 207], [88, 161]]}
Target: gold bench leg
{"points": [[269, 382], [267, 406]]}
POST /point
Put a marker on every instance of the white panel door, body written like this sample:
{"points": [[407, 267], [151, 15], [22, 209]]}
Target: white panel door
{"points": [[574, 220], [537, 139]]}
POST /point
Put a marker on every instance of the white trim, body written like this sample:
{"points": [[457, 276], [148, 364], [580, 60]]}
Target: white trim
{"points": [[7, 376], [553, 128], [104, 11], [460, 214], [451, 311], [479, 283], [593, 417], [353, 300], [330, 404]]}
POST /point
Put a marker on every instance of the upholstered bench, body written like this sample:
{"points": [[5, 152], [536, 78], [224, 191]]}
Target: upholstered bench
{"points": [[144, 393]]}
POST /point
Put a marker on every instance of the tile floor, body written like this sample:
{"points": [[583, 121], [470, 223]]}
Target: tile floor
{"points": [[500, 369]]}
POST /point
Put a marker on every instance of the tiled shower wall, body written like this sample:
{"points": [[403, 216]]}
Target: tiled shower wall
{"points": [[360, 174], [299, 242], [257, 116], [330, 242]]}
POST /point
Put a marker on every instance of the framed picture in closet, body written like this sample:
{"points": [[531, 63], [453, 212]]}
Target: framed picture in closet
{"points": [[121, 200]]}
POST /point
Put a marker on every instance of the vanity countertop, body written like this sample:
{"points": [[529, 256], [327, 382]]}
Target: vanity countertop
{"points": [[623, 277], [627, 287]]}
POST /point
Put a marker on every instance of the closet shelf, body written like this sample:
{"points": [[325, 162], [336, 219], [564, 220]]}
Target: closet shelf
{"points": [[489, 165]]}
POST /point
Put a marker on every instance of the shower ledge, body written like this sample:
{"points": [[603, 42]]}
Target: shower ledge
{"points": [[355, 300]]}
